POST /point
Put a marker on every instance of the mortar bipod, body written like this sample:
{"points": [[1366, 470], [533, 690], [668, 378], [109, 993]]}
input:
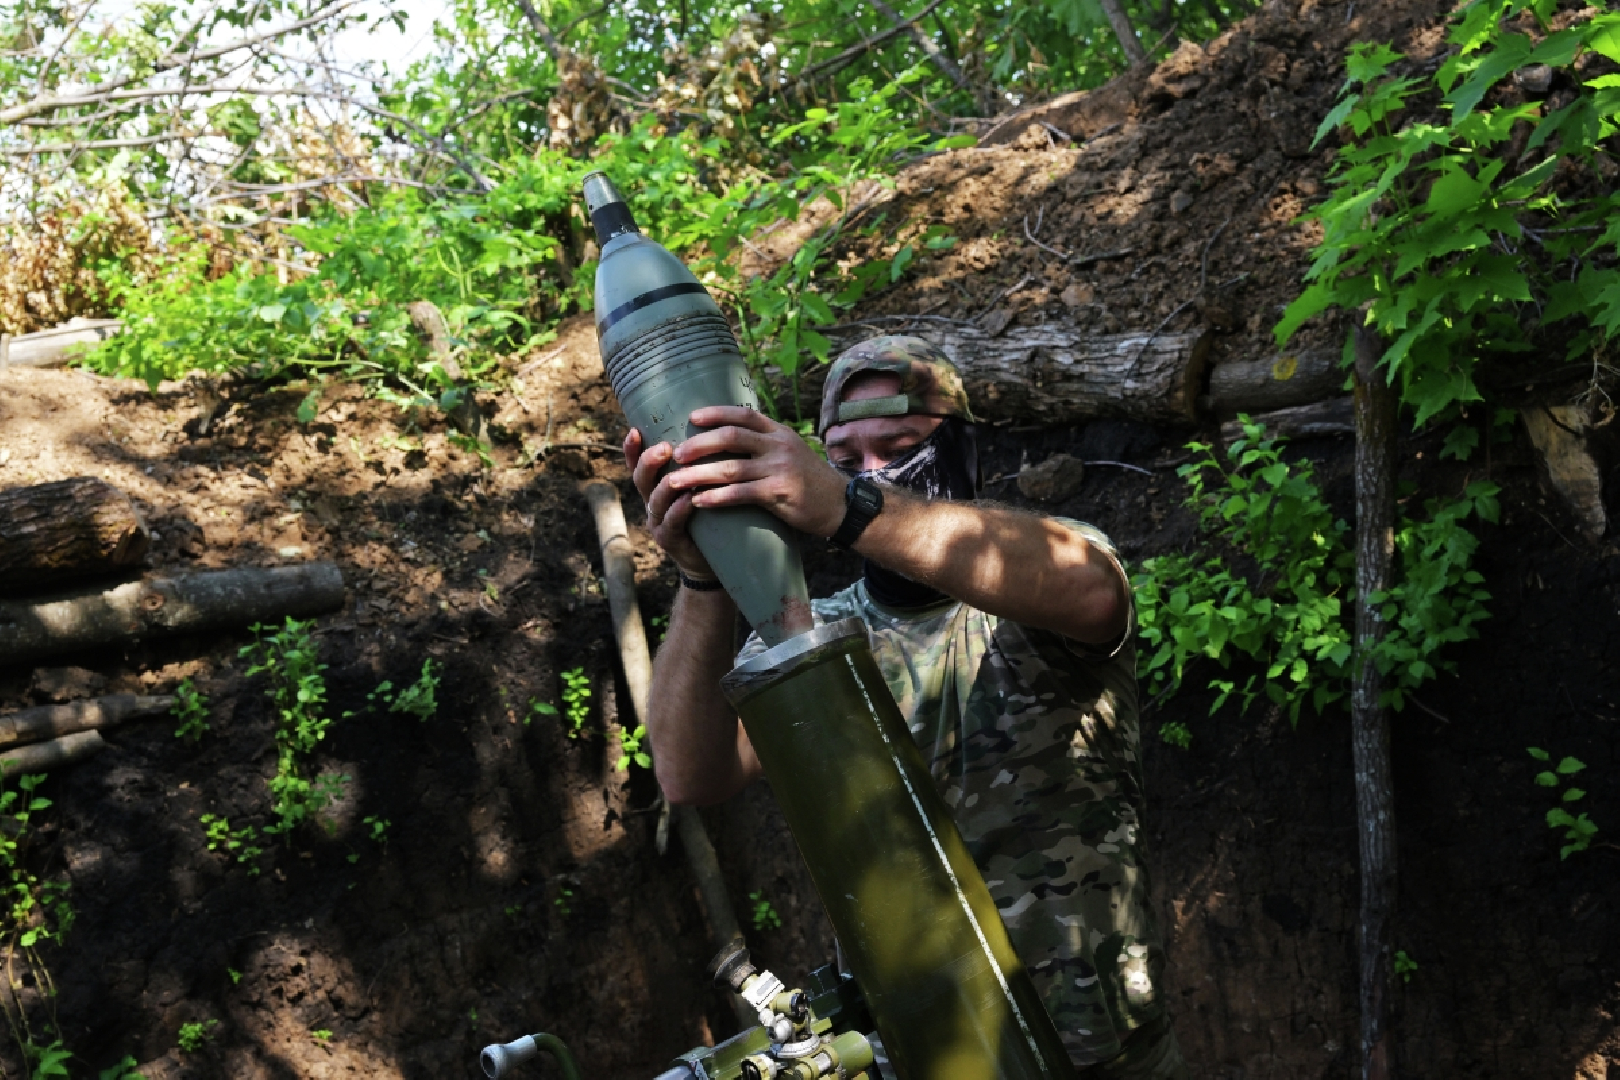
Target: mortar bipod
{"points": [[814, 1035]]}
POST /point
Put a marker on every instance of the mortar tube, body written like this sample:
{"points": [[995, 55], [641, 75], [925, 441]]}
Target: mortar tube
{"points": [[951, 999], [667, 351]]}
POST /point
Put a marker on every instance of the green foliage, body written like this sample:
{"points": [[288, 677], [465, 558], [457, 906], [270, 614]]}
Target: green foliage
{"points": [[1578, 831], [630, 748], [576, 696], [124, 1070], [1458, 238], [39, 911], [538, 708], [417, 699], [235, 976], [1289, 613], [191, 709], [46, 1061], [1176, 734], [290, 660], [1404, 965], [196, 1034], [241, 843], [763, 915], [1288, 603], [377, 828], [564, 902], [321, 1035]]}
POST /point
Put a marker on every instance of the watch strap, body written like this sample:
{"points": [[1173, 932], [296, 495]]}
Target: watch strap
{"points": [[863, 501]]}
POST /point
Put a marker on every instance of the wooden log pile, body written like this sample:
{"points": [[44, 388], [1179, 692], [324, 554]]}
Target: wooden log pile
{"points": [[67, 529]]}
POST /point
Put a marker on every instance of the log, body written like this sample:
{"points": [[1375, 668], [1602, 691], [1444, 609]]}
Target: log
{"points": [[58, 345], [68, 528], [1275, 382], [42, 757], [185, 603], [1336, 416], [1056, 373], [53, 721]]}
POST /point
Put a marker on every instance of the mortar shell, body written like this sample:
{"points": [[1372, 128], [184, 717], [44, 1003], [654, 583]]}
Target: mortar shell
{"points": [[668, 350]]}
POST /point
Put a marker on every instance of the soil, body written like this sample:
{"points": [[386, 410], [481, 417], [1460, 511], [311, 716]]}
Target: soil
{"points": [[520, 888]]}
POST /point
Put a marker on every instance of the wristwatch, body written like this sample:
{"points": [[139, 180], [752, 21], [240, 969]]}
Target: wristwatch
{"points": [[863, 501]]}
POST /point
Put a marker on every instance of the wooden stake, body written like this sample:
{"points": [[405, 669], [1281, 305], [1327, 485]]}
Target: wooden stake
{"points": [[1376, 403]]}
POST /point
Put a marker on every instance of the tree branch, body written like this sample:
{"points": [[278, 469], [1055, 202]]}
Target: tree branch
{"points": [[553, 46], [826, 67]]}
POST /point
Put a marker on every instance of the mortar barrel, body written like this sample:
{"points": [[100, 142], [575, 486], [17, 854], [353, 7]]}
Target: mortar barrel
{"points": [[948, 992]]}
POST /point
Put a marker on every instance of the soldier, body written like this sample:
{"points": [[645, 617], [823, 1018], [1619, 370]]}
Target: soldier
{"points": [[1006, 638]]}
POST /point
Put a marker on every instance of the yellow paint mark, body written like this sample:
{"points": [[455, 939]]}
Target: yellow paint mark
{"points": [[1284, 368]]}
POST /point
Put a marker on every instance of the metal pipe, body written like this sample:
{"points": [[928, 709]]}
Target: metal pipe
{"points": [[499, 1058]]}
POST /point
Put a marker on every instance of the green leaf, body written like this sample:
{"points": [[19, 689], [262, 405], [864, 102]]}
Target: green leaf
{"points": [[1334, 118], [1546, 779], [310, 406], [902, 259], [1570, 766], [1574, 793]]}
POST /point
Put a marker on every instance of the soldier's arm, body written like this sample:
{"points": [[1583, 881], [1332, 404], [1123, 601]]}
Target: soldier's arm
{"points": [[700, 752], [1019, 566]]}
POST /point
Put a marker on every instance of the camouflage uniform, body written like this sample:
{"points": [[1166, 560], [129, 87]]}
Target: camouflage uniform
{"points": [[1033, 739]]}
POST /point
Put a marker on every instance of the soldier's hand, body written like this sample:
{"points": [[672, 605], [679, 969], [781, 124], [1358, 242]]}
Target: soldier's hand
{"points": [[773, 468], [669, 511]]}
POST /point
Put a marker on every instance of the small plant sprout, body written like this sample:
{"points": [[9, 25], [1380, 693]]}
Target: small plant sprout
{"points": [[1176, 734], [1578, 830], [576, 697], [195, 1035], [418, 699], [377, 828], [191, 709], [764, 915], [238, 843], [630, 743], [321, 1035], [289, 658], [49, 1060], [564, 901], [538, 708], [124, 1070], [1404, 965], [236, 976]]}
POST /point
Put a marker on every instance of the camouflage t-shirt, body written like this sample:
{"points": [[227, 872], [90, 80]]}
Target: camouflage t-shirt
{"points": [[1033, 739]]}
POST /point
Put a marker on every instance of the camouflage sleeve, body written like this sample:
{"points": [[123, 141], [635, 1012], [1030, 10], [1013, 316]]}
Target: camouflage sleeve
{"points": [[1099, 540]]}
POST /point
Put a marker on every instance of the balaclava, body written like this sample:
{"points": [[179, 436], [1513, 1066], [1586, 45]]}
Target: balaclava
{"points": [[943, 466]]}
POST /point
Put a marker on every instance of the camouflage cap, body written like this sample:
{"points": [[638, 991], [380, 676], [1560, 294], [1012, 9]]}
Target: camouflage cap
{"points": [[930, 385]]}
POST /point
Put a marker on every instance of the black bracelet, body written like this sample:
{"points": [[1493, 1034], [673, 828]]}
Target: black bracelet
{"points": [[698, 584]]}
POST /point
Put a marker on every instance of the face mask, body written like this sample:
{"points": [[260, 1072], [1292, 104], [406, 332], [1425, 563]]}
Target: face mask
{"points": [[943, 466]]}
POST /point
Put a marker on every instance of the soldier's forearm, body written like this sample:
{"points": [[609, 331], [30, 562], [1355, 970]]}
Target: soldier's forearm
{"points": [[1019, 566], [699, 751]]}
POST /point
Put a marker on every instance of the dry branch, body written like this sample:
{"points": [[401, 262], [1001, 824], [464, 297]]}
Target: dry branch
{"points": [[1057, 373], [67, 528], [187, 603], [42, 757], [54, 721]]}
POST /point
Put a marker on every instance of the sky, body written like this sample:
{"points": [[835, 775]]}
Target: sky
{"points": [[388, 46]]}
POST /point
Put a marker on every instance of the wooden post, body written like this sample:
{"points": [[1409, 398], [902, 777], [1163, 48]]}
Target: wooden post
{"points": [[619, 573], [1376, 403]]}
